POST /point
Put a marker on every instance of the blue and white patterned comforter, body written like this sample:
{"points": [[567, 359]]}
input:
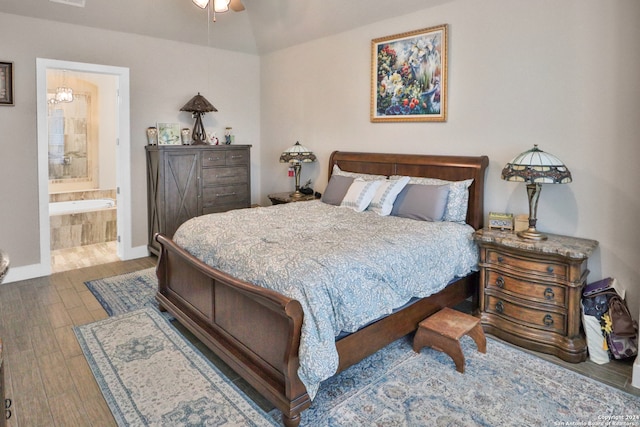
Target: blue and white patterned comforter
{"points": [[345, 268]]}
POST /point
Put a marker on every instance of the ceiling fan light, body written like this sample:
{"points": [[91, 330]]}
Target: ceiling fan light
{"points": [[201, 3], [221, 6]]}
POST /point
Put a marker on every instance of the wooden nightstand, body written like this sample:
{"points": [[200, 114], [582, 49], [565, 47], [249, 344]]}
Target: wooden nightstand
{"points": [[280, 198], [531, 290]]}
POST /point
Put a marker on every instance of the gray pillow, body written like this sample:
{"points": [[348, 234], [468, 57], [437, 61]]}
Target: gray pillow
{"points": [[422, 202], [337, 189]]}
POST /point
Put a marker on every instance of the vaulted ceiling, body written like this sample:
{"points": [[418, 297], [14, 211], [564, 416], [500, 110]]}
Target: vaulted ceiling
{"points": [[265, 25]]}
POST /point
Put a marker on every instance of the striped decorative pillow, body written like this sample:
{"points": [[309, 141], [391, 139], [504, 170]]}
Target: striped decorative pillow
{"points": [[386, 194], [360, 194]]}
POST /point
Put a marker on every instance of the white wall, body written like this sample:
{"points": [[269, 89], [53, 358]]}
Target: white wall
{"points": [[561, 74], [164, 75]]}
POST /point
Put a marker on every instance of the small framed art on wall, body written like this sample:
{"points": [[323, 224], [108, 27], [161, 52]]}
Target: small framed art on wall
{"points": [[6, 83]]}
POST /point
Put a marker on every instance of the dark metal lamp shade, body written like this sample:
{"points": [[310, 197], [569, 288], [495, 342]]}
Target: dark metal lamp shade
{"points": [[198, 105]]}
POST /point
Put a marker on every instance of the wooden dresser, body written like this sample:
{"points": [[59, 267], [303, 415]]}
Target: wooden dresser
{"points": [[3, 416], [531, 290], [187, 181]]}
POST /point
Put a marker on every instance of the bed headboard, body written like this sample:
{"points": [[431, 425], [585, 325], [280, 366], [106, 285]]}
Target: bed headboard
{"points": [[451, 168]]}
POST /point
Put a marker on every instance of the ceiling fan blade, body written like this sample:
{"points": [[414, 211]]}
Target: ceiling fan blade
{"points": [[236, 5]]}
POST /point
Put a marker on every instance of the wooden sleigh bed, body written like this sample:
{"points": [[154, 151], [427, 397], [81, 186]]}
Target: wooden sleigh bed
{"points": [[256, 331]]}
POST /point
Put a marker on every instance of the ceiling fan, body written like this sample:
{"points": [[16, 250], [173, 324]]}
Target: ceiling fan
{"points": [[221, 6]]}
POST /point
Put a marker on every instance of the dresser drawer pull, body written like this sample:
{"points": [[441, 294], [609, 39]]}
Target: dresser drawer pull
{"points": [[499, 307], [548, 294], [237, 157], [225, 176], [7, 408], [500, 282], [211, 159], [226, 194], [500, 258], [549, 269], [547, 320]]}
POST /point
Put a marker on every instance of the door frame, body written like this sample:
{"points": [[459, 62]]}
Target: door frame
{"points": [[123, 155]]}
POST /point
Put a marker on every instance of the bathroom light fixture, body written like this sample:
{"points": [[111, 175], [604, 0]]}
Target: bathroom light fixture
{"points": [[535, 167], [64, 93]]}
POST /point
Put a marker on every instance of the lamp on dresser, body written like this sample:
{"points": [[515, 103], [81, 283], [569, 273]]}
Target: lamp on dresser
{"points": [[295, 156], [197, 106], [535, 167]]}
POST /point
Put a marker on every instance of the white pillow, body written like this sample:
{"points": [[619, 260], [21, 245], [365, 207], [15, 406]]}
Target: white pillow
{"points": [[365, 176], [359, 194], [386, 194], [457, 204]]}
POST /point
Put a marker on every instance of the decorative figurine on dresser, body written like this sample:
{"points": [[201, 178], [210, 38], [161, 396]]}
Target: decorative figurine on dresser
{"points": [[188, 181], [531, 283]]}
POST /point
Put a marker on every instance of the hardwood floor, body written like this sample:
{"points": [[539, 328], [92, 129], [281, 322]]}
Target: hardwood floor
{"points": [[48, 378], [46, 374]]}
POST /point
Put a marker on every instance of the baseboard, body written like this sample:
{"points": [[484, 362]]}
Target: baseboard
{"points": [[26, 272]]}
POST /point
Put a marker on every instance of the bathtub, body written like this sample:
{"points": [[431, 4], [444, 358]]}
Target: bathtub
{"points": [[80, 206], [76, 223]]}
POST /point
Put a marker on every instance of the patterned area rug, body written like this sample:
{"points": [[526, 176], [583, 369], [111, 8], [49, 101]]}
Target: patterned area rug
{"points": [[504, 387], [151, 376], [127, 292], [397, 387]]}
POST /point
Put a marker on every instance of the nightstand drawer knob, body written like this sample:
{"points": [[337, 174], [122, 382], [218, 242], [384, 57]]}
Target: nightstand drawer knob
{"points": [[500, 258], [548, 320], [499, 307], [549, 269], [500, 282], [548, 294]]}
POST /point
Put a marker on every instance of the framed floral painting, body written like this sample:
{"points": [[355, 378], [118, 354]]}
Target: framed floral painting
{"points": [[409, 76], [6, 83]]}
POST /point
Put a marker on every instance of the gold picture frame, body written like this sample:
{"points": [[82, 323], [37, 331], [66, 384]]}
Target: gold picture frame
{"points": [[6, 83], [409, 76]]}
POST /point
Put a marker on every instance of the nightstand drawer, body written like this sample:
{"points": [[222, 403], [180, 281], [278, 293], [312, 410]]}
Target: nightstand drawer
{"points": [[539, 319], [527, 265], [227, 175], [228, 194], [539, 292]]}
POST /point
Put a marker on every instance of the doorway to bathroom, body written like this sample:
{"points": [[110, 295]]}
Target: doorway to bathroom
{"points": [[83, 149]]}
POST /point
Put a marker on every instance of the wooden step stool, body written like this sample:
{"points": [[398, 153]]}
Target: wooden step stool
{"points": [[443, 331]]}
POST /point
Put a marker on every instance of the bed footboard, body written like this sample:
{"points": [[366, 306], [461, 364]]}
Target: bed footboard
{"points": [[254, 330]]}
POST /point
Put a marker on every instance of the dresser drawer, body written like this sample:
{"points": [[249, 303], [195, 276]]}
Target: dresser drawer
{"points": [[224, 195], [223, 208], [219, 157], [522, 314], [226, 175], [213, 158], [539, 292], [237, 157], [528, 266]]}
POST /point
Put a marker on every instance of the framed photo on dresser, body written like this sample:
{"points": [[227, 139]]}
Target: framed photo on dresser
{"points": [[169, 134]]}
